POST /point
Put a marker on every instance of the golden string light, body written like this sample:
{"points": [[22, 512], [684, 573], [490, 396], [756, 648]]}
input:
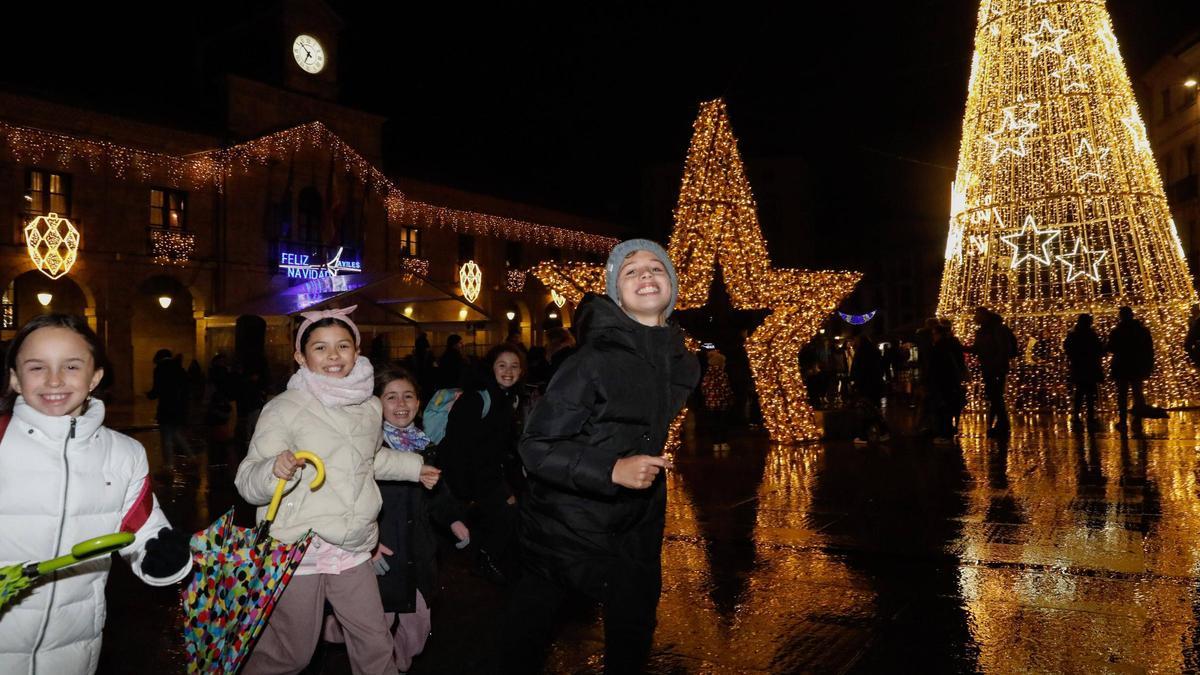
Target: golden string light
{"points": [[1053, 140], [414, 268], [172, 247], [211, 168], [514, 281]]}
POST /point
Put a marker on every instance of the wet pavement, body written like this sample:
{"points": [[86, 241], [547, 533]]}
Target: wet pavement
{"points": [[1053, 552]]}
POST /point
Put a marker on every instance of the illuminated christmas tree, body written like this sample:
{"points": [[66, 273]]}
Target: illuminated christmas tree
{"points": [[1057, 206]]}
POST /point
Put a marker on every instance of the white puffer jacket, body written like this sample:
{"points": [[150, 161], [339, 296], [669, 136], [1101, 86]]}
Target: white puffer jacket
{"points": [[347, 438], [64, 480]]}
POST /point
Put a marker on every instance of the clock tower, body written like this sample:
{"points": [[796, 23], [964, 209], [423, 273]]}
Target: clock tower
{"points": [[280, 70], [308, 48]]}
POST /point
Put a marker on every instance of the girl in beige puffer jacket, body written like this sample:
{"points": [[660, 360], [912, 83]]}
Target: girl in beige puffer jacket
{"points": [[328, 409]]}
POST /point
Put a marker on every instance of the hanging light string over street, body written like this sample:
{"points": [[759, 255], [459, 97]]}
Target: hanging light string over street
{"points": [[1057, 206], [212, 167]]}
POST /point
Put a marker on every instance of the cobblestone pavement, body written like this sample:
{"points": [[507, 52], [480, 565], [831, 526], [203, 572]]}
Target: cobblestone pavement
{"points": [[1053, 552]]}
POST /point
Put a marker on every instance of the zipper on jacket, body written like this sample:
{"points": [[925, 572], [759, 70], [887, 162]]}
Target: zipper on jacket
{"points": [[62, 521]]}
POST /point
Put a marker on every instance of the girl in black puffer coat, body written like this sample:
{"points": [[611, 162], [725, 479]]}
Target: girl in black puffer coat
{"points": [[593, 520]]}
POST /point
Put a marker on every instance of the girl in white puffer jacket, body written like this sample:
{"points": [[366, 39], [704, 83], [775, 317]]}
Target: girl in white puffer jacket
{"points": [[64, 478], [329, 408]]}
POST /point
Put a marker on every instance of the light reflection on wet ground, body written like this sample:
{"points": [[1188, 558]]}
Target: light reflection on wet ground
{"points": [[1050, 553]]}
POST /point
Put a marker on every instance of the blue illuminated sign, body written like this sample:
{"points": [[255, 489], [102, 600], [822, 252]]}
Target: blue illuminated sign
{"points": [[300, 265]]}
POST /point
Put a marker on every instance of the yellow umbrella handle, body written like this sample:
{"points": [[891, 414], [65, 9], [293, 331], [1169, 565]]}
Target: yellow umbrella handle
{"points": [[279, 487]]}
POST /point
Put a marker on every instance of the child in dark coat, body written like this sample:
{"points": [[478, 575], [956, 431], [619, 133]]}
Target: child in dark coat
{"points": [[594, 516]]}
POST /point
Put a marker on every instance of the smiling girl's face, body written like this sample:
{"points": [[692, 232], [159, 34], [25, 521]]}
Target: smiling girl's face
{"points": [[400, 403], [55, 371], [330, 351]]}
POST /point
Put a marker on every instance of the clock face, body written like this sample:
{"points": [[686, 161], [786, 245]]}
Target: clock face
{"points": [[309, 54]]}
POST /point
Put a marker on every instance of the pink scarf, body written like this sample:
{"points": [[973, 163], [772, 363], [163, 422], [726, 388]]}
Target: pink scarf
{"points": [[334, 392]]}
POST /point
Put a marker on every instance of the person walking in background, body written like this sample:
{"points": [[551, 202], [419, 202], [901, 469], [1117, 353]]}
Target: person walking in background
{"points": [[218, 411], [1084, 353], [995, 346], [946, 371], [172, 391], [866, 377], [924, 344], [1132, 348], [718, 398], [451, 366]]}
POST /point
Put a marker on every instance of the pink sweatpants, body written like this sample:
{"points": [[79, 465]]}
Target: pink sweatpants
{"points": [[291, 635], [409, 635]]}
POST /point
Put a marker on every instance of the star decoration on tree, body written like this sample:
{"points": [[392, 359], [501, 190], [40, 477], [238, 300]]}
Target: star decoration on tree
{"points": [[716, 224], [1133, 122], [1071, 75], [1047, 38], [1087, 162], [1083, 263], [1010, 137], [1028, 241]]}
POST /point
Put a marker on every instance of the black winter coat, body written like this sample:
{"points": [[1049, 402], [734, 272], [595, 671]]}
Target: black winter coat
{"points": [[615, 397], [1084, 354], [1132, 348], [473, 454], [406, 527], [995, 345], [171, 390]]}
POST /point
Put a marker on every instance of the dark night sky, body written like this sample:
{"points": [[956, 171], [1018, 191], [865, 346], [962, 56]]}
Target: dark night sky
{"points": [[569, 104]]}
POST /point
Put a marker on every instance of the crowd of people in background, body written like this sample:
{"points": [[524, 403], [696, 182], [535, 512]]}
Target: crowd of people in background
{"points": [[932, 371]]}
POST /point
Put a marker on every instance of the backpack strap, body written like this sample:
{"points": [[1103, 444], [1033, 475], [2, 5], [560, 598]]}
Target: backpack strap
{"points": [[4, 420]]}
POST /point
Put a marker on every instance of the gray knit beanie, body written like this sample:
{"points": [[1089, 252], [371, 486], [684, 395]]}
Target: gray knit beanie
{"points": [[623, 250]]}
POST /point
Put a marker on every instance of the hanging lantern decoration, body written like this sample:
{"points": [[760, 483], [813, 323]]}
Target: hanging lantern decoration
{"points": [[470, 280], [558, 299], [53, 244]]}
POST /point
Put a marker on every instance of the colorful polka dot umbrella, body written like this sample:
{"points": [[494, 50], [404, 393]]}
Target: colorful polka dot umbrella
{"points": [[238, 576]]}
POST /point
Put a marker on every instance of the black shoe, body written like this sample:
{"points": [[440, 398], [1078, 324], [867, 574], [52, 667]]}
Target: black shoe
{"points": [[486, 568]]}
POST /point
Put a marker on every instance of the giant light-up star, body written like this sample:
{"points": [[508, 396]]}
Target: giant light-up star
{"points": [[716, 224]]}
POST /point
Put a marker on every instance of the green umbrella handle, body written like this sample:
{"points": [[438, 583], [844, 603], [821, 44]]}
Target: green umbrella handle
{"points": [[87, 549]]}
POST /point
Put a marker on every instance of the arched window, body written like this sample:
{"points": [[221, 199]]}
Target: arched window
{"points": [[308, 215]]}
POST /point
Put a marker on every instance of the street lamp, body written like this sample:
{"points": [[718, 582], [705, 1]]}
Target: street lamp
{"points": [[164, 301], [462, 314], [44, 298], [510, 314], [553, 315], [408, 310], [1190, 83]]}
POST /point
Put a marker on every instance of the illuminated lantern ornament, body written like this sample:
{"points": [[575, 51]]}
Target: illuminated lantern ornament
{"points": [[716, 223], [1056, 172], [53, 244], [470, 280], [559, 300]]}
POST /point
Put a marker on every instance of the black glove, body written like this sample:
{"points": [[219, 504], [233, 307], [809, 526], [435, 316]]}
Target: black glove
{"points": [[166, 553]]}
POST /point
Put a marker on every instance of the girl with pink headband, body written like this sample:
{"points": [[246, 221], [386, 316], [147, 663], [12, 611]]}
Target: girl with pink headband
{"points": [[328, 409]]}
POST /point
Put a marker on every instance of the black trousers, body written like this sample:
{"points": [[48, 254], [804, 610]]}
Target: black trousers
{"points": [[1139, 398], [629, 600], [993, 391], [1085, 397]]}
